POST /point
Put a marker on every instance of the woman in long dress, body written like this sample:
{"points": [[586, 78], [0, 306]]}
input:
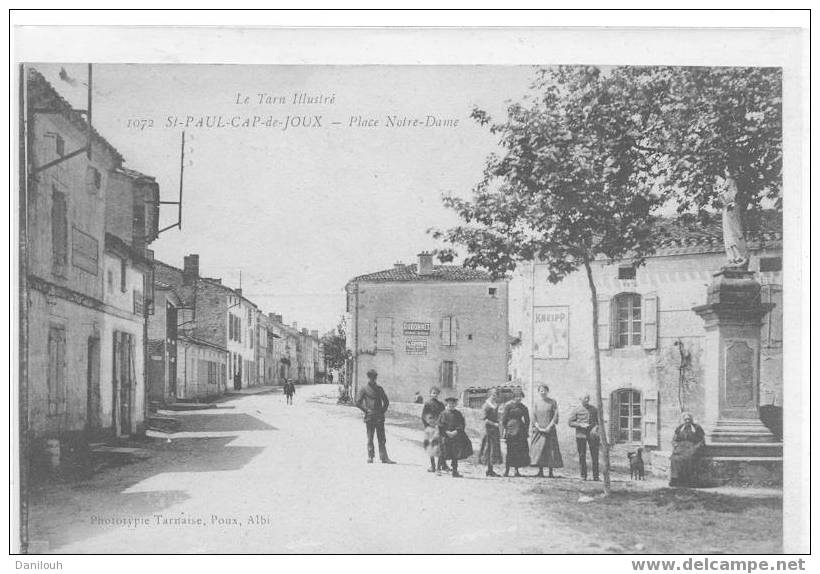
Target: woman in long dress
{"points": [[516, 422], [689, 441], [544, 450], [490, 451], [455, 444]]}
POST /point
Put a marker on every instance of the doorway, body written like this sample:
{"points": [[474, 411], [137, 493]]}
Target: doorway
{"points": [[93, 419], [123, 378]]}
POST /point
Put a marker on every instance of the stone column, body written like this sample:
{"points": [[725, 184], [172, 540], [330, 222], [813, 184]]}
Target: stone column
{"points": [[738, 443]]}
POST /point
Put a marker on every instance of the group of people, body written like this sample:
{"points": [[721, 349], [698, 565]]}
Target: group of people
{"points": [[445, 439], [530, 440]]}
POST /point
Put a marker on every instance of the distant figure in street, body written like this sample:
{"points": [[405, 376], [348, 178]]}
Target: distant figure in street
{"points": [[688, 442], [515, 422], [584, 419], [490, 451], [544, 450], [373, 402], [289, 390], [418, 399], [432, 442], [237, 381], [433, 408], [456, 444]]}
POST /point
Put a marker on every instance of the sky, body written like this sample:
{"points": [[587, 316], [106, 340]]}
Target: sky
{"points": [[299, 211]]}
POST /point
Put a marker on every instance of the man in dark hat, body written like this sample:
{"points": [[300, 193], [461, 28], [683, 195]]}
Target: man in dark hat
{"points": [[373, 402]]}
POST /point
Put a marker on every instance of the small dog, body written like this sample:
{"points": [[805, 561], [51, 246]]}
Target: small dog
{"points": [[636, 470]]}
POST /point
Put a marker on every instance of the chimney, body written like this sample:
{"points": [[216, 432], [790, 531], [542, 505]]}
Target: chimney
{"points": [[399, 265], [190, 269], [425, 263], [275, 318], [314, 334], [304, 331], [295, 326], [239, 291]]}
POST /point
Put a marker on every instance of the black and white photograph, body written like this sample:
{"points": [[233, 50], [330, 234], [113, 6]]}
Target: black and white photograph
{"points": [[411, 304]]}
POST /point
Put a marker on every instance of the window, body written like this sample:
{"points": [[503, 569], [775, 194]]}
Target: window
{"points": [[110, 276], [491, 291], [59, 230], [93, 179], [448, 374], [59, 145], [449, 331], [627, 316], [769, 264], [626, 272], [384, 333], [56, 370], [139, 305], [123, 269], [627, 409]]}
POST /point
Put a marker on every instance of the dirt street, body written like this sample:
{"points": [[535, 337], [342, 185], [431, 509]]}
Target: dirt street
{"points": [[257, 476]]}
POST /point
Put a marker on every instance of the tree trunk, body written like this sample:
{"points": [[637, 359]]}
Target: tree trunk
{"points": [[604, 446]]}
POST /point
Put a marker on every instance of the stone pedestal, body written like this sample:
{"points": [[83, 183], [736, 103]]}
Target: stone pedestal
{"points": [[739, 448]]}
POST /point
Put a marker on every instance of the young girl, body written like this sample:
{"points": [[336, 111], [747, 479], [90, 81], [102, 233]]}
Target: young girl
{"points": [[455, 442], [432, 441]]}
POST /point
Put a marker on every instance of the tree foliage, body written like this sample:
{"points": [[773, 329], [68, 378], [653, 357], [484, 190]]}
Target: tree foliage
{"points": [[572, 183], [334, 346]]}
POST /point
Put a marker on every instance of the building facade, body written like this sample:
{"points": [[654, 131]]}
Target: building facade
{"points": [[422, 325], [85, 334], [651, 341]]}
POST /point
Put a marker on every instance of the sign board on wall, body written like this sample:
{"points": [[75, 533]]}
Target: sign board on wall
{"points": [[416, 346], [551, 333], [416, 328]]}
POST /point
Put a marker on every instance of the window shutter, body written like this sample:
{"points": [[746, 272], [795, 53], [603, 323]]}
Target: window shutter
{"points": [[441, 325], [651, 409], [375, 333], [441, 375], [52, 371], [392, 334], [455, 375], [650, 321], [454, 330], [606, 418], [604, 317]]}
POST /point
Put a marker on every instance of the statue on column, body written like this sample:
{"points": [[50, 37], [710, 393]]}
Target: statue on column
{"points": [[734, 237]]}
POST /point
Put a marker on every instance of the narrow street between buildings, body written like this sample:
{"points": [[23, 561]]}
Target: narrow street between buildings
{"points": [[254, 475]]}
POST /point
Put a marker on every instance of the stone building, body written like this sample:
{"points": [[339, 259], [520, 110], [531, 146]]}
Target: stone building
{"points": [[652, 342], [422, 324], [214, 348], [88, 222]]}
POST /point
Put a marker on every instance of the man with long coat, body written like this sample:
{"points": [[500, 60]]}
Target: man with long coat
{"points": [[373, 402]]}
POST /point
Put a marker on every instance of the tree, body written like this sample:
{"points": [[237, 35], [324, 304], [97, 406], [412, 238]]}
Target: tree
{"points": [[589, 159], [716, 134], [334, 346], [570, 187]]}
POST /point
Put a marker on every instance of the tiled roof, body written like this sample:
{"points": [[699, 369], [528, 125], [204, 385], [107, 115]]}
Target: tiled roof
{"points": [[39, 84], [689, 235], [134, 174], [439, 273]]}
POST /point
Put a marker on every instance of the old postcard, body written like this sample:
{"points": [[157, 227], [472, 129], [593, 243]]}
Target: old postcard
{"points": [[449, 305]]}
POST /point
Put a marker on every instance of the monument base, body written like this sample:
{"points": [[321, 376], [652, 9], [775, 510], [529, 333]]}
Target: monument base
{"points": [[750, 471]]}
